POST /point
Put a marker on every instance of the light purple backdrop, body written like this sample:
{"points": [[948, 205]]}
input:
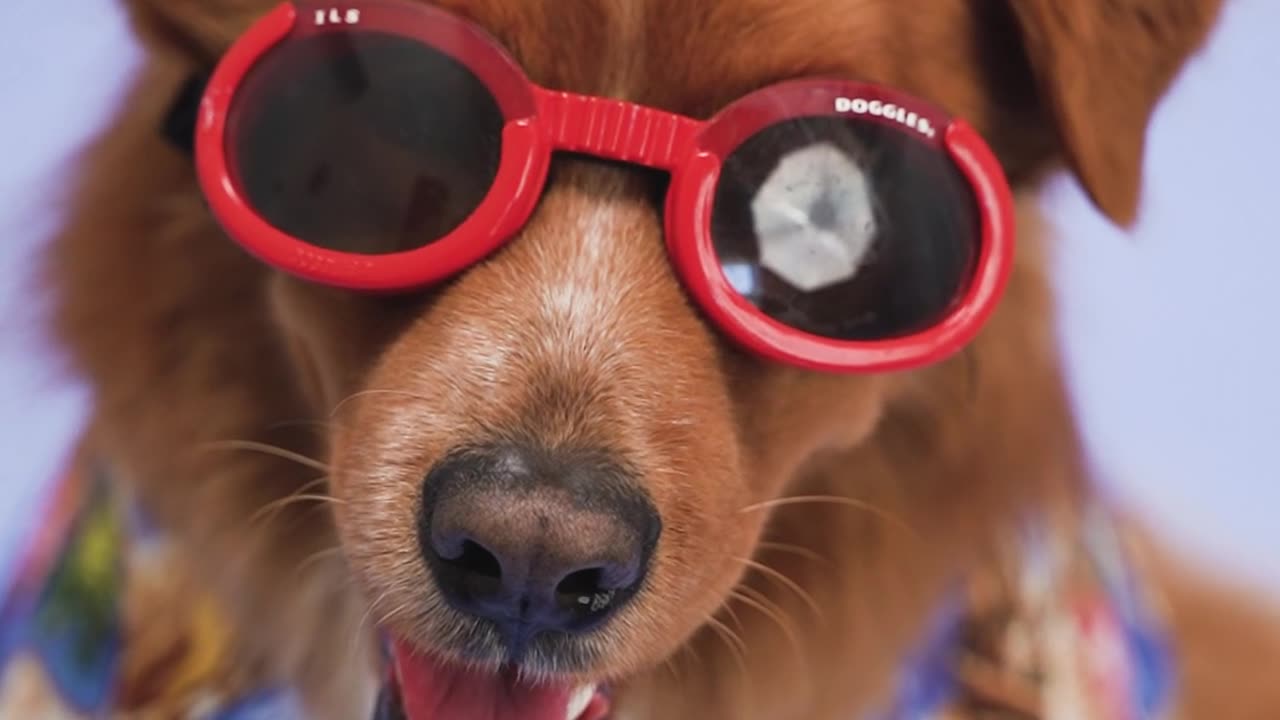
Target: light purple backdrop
{"points": [[1171, 332]]}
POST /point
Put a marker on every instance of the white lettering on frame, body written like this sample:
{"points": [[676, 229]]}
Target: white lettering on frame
{"points": [[889, 111], [336, 16]]}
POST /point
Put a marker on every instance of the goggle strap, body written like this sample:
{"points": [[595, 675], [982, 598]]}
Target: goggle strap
{"points": [[179, 126]]}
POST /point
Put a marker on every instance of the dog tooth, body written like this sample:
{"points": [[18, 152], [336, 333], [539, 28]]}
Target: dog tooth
{"points": [[579, 701]]}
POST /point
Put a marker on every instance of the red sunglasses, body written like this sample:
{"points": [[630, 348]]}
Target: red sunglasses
{"points": [[386, 145]]}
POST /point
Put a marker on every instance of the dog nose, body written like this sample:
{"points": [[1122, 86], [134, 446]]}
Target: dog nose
{"points": [[535, 540]]}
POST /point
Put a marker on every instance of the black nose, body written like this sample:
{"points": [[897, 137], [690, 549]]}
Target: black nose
{"points": [[535, 540]]}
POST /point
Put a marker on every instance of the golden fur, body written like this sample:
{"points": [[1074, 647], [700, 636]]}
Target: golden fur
{"points": [[189, 344]]}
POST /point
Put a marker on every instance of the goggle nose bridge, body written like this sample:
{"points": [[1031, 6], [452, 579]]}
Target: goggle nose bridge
{"points": [[616, 129]]}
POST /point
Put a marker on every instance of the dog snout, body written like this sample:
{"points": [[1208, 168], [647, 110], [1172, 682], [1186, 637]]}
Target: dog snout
{"points": [[536, 541]]}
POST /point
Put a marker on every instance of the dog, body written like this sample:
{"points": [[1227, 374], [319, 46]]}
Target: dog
{"points": [[802, 528]]}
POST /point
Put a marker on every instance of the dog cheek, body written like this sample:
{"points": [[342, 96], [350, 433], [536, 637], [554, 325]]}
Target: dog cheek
{"points": [[850, 420], [377, 529], [789, 417], [377, 504]]}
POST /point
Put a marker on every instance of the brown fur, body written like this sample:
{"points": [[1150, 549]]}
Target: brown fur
{"points": [[189, 343]]}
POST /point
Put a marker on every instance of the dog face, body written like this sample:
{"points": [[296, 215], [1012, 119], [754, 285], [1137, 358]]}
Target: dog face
{"points": [[561, 414]]}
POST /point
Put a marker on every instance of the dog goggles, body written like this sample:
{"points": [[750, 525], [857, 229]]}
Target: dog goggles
{"points": [[384, 145]]}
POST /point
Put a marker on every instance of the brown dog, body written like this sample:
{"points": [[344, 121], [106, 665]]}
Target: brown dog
{"points": [[577, 337]]}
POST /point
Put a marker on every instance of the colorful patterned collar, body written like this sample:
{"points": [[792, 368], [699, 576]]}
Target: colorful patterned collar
{"points": [[1063, 630]]}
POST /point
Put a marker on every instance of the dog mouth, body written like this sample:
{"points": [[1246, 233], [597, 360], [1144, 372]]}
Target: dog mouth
{"points": [[424, 688]]}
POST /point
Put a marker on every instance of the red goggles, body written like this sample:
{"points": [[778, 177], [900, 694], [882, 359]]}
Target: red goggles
{"points": [[385, 145]]}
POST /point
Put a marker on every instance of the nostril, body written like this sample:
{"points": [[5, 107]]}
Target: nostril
{"points": [[582, 593], [582, 582], [592, 591], [473, 567], [476, 560]]}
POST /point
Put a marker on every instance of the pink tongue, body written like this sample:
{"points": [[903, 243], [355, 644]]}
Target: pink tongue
{"points": [[430, 690]]}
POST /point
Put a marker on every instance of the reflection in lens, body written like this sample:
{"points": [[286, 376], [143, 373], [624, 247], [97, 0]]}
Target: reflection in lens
{"points": [[814, 218], [363, 142], [845, 229]]}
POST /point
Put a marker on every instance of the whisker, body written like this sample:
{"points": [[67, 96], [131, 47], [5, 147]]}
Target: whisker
{"points": [[391, 617], [268, 450], [728, 609], [758, 601], [319, 426], [315, 557], [735, 644], [368, 613], [318, 481], [690, 650], [788, 582], [375, 391], [676, 668], [835, 500], [794, 550], [275, 507]]}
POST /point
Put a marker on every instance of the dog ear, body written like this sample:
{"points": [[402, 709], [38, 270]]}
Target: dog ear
{"points": [[1100, 67]]}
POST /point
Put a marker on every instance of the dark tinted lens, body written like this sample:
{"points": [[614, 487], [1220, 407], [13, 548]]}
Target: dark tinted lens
{"points": [[364, 142], [845, 229]]}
